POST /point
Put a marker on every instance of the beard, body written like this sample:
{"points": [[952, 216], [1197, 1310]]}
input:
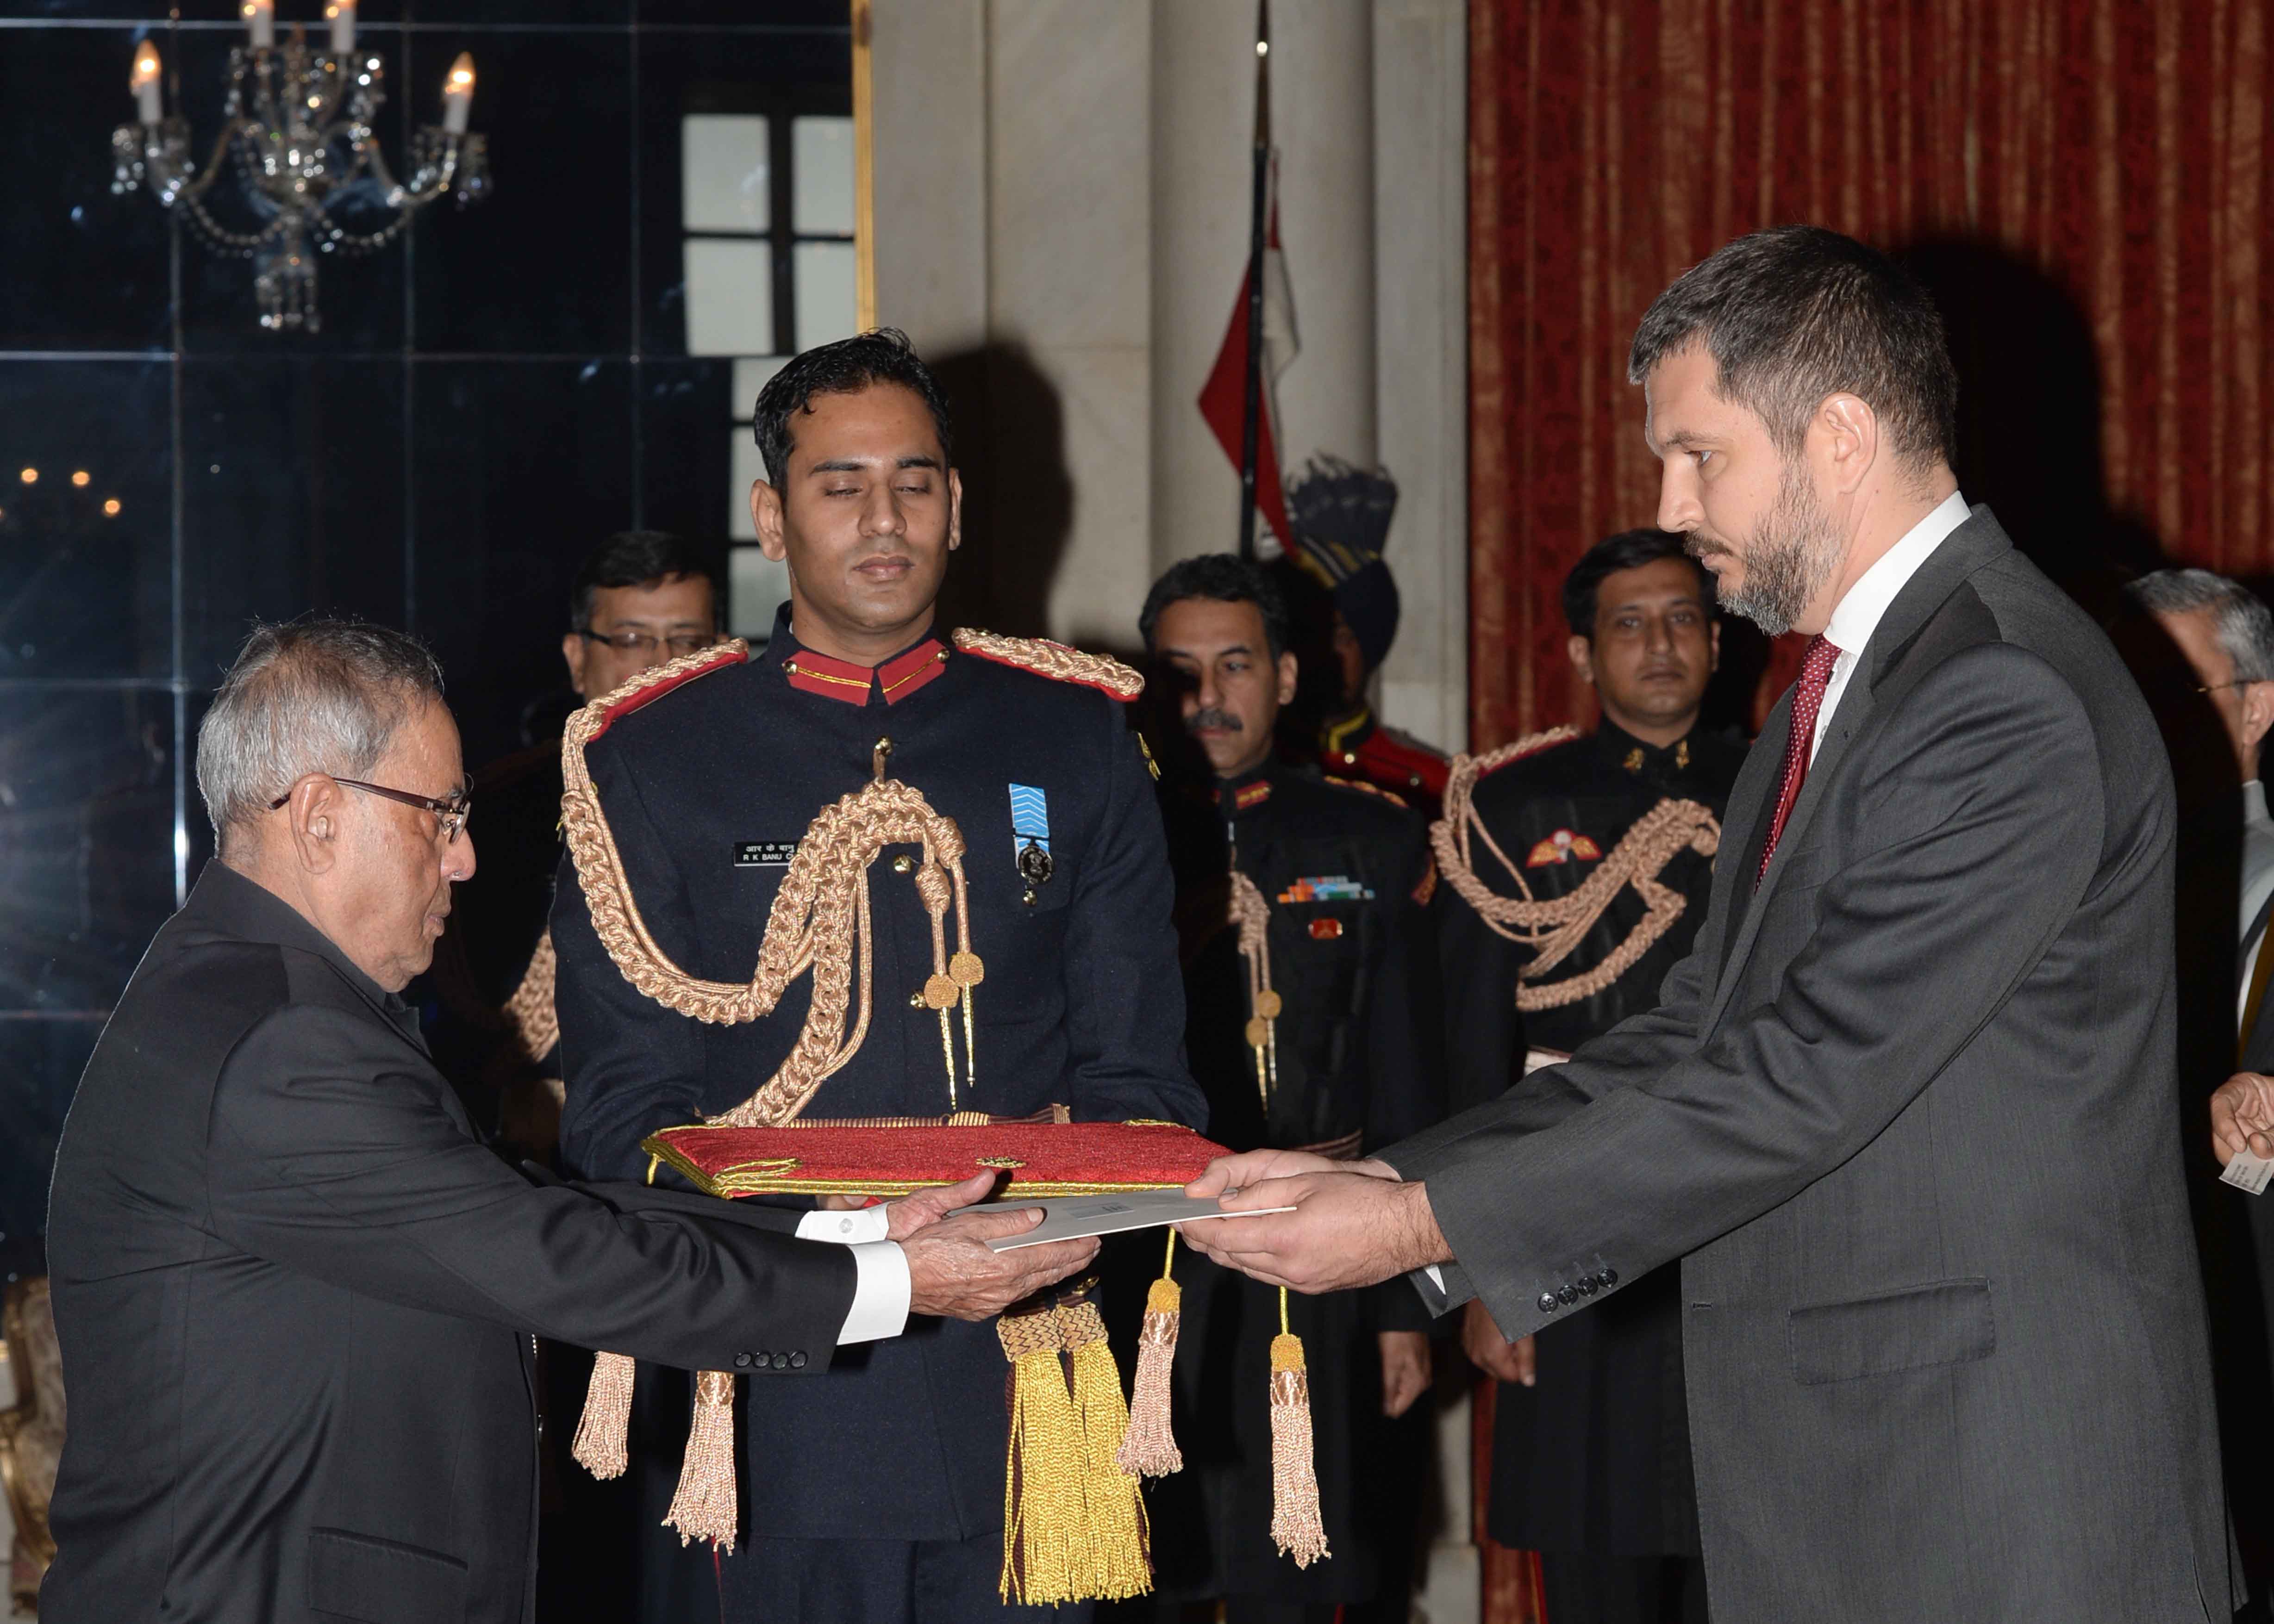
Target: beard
{"points": [[1794, 552]]}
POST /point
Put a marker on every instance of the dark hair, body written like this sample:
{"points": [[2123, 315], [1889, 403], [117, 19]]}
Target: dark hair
{"points": [[844, 367], [1627, 550], [1227, 579], [638, 558], [1795, 314]]}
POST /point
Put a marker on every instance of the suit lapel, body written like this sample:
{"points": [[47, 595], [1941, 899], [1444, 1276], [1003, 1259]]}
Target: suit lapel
{"points": [[1963, 552], [1752, 803]]}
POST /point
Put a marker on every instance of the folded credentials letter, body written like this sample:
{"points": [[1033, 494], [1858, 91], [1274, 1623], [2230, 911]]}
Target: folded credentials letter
{"points": [[1070, 1217]]}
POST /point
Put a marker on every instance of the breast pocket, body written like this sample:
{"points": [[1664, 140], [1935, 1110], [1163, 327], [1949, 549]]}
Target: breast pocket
{"points": [[382, 1582], [1942, 1322]]}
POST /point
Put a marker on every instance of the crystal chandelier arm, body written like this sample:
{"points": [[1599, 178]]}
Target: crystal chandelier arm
{"points": [[430, 180]]}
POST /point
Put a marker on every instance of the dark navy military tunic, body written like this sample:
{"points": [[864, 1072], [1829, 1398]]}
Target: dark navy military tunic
{"points": [[1595, 1458], [706, 790]]}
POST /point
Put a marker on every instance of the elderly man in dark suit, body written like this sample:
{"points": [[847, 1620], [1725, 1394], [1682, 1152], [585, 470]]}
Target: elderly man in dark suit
{"points": [[1906, 1111], [295, 1293]]}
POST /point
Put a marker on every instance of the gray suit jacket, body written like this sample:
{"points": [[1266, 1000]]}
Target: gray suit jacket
{"points": [[1907, 1116]]}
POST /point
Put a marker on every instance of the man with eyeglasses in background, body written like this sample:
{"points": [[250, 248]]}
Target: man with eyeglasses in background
{"points": [[640, 598]]}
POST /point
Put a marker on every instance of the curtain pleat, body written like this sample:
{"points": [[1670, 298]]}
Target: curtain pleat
{"points": [[2083, 182]]}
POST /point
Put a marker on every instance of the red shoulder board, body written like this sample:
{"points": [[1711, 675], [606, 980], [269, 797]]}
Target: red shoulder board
{"points": [[1054, 660], [651, 686], [1375, 790]]}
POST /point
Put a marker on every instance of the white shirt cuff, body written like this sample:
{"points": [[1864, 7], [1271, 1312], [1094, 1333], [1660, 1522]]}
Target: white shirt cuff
{"points": [[869, 1224], [880, 1284], [1436, 1276]]}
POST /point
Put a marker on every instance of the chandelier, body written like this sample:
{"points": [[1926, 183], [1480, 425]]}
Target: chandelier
{"points": [[296, 136]]}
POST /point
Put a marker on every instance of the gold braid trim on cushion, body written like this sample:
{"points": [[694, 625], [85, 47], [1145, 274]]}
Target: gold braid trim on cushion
{"points": [[819, 917], [1553, 929], [1046, 658]]}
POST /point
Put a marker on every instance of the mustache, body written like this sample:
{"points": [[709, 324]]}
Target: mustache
{"points": [[1697, 547], [1223, 721]]}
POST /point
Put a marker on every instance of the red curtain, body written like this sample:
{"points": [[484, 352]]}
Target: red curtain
{"points": [[2083, 182]]}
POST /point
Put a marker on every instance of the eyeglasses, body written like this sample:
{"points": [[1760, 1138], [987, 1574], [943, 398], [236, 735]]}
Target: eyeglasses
{"points": [[453, 812], [643, 643]]}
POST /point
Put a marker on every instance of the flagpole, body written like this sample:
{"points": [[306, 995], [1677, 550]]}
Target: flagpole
{"points": [[1252, 405]]}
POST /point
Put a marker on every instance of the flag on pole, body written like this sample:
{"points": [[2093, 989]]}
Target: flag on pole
{"points": [[1224, 397]]}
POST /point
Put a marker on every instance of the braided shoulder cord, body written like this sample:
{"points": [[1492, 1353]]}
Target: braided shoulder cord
{"points": [[1046, 658], [1253, 917], [819, 917], [1554, 929]]}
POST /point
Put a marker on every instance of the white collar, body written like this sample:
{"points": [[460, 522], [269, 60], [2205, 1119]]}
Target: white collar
{"points": [[1857, 616], [2253, 804]]}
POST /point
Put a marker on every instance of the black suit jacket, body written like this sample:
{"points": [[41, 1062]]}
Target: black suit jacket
{"points": [[295, 1295], [1909, 1116]]}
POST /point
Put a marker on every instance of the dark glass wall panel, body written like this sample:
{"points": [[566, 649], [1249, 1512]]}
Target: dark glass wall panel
{"points": [[292, 497], [85, 268], [86, 841], [544, 266], [84, 591], [39, 1063], [519, 471], [819, 16], [687, 412]]}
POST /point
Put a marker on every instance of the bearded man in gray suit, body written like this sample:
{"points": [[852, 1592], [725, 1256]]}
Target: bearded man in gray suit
{"points": [[1907, 1114]]}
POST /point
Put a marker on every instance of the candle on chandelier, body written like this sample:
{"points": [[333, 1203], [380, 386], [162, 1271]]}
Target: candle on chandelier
{"points": [[144, 83], [341, 15], [261, 22], [458, 94]]}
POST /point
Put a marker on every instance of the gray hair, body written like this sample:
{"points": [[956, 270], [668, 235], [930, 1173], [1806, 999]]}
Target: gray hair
{"points": [[309, 696], [2241, 619]]}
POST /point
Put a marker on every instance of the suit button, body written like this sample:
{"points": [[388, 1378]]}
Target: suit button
{"points": [[741, 1361], [1589, 1285], [781, 1361], [797, 1361], [1568, 1295], [1547, 1301], [1609, 1277]]}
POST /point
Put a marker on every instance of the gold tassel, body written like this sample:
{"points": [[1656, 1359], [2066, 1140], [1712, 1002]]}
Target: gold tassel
{"points": [[1116, 1522], [1042, 1509], [1297, 1526], [1150, 1449], [599, 1448], [704, 1508]]}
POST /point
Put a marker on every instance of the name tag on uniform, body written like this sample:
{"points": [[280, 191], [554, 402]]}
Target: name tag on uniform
{"points": [[763, 854], [2247, 1174]]}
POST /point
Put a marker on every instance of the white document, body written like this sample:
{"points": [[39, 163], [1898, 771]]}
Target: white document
{"points": [[1070, 1217], [2247, 1174]]}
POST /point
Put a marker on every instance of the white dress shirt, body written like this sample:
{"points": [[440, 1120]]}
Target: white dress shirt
{"points": [[881, 1288], [1857, 616]]}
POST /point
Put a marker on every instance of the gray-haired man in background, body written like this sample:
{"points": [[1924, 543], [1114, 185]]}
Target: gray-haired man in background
{"points": [[295, 1292]]}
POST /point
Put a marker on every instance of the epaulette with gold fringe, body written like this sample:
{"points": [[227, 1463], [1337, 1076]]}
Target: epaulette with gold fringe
{"points": [[1054, 660]]}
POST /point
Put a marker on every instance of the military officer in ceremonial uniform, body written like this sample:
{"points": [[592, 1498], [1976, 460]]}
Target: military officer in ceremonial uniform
{"points": [[1310, 978], [1341, 517], [877, 1493], [1591, 1458]]}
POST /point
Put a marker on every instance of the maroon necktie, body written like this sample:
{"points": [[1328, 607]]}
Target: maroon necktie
{"points": [[1807, 699]]}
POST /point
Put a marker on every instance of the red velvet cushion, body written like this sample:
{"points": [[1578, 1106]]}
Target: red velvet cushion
{"points": [[1040, 1158]]}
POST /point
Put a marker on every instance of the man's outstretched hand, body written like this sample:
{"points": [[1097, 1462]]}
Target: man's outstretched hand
{"points": [[1355, 1223], [951, 1273], [2242, 1117]]}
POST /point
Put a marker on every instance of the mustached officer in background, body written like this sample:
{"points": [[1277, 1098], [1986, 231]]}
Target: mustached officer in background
{"points": [[1035, 967], [1591, 1457], [1304, 917], [1341, 518]]}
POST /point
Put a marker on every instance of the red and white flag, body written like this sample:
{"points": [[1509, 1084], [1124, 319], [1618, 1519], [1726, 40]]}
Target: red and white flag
{"points": [[1224, 398]]}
